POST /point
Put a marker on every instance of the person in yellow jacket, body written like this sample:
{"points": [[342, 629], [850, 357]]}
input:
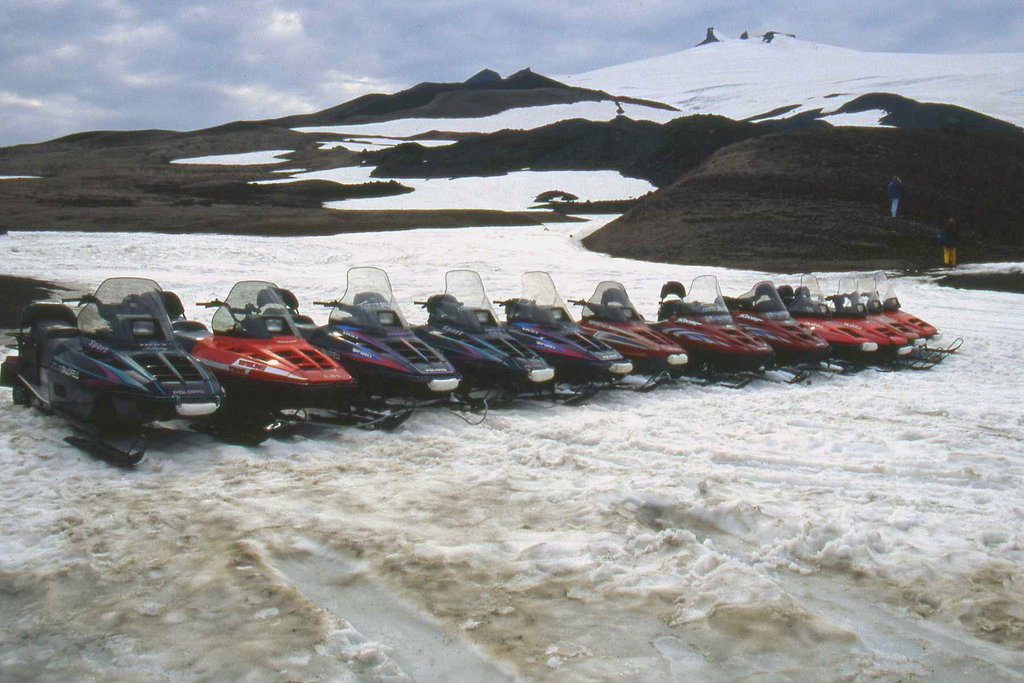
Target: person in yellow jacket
{"points": [[948, 238]]}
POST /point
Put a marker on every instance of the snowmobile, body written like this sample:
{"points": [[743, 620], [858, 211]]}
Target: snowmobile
{"points": [[761, 313], [610, 316], [719, 351], [112, 367], [540, 321], [367, 332], [856, 342], [495, 366], [883, 306], [882, 299], [272, 376]]}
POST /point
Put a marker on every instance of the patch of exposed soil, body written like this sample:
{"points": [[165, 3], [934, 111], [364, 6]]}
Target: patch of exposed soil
{"points": [[997, 282], [18, 292], [815, 199]]}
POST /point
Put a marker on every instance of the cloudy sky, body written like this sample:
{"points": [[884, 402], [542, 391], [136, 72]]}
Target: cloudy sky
{"points": [[74, 65]]}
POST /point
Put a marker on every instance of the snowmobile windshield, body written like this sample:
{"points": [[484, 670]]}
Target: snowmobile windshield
{"points": [[610, 302], [871, 297], [886, 291], [849, 301], [475, 311], [808, 301], [255, 310], [764, 300], [368, 302], [126, 310], [539, 288], [704, 300]]}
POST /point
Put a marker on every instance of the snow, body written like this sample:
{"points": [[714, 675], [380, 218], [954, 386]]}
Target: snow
{"points": [[864, 526], [364, 144], [745, 78], [868, 523], [524, 118], [18, 177], [510, 192], [260, 158]]}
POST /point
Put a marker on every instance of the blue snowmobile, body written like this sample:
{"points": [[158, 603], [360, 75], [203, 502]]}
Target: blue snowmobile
{"points": [[111, 367]]}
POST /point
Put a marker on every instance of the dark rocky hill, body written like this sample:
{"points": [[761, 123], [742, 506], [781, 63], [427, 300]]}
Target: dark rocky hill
{"points": [[815, 199], [484, 94]]}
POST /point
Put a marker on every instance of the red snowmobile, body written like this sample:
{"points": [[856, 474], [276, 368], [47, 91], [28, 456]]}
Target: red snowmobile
{"points": [[265, 366], [761, 313], [610, 316], [701, 323]]}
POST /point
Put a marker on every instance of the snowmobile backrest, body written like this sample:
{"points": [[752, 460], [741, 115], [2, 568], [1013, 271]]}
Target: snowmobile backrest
{"points": [[442, 308], [673, 287], [373, 298], [172, 303], [678, 308], [48, 310], [289, 299], [804, 303]]}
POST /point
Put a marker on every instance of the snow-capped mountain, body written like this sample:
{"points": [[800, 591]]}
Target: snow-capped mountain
{"points": [[747, 78]]}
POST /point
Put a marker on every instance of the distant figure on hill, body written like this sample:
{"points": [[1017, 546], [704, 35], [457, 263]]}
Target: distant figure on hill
{"points": [[949, 236], [893, 191]]}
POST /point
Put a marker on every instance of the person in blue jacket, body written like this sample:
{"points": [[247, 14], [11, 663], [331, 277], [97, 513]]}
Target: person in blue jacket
{"points": [[893, 191]]}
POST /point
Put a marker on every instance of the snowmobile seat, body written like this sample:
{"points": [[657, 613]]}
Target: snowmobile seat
{"points": [[48, 310], [786, 294], [46, 330], [184, 329]]}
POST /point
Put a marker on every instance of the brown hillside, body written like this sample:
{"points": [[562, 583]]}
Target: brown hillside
{"points": [[815, 199]]}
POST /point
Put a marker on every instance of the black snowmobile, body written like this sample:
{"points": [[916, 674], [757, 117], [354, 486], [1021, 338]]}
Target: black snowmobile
{"points": [[111, 367], [494, 365]]}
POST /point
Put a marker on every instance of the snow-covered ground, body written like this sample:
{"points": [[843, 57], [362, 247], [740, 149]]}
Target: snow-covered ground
{"points": [[510, 192], [858, 527], [743, 78], [259, 158]]}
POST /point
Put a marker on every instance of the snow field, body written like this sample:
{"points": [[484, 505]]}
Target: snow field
{"points": [[743, 78], [863, 523]]}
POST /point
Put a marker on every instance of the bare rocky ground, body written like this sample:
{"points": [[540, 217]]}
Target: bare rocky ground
{"points": [[815, 200]]}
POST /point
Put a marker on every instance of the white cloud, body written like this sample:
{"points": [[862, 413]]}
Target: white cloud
{"points": [[285, 25]]}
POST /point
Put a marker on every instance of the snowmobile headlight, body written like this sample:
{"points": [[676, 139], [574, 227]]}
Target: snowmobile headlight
{"points": [[678, 359], [275, 325], [869, 346], [144, 328], [449, 384], [540, 374], [195, 409], [904, 350], [920, 341], [621, 368]]}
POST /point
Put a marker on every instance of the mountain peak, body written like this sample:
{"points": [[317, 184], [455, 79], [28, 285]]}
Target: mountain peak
{"points": [[484, 76]]}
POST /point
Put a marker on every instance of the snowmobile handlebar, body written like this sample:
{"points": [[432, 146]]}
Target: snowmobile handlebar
{"points": [[328, 304], [84, 299], [578, 302], [210, 304]]}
